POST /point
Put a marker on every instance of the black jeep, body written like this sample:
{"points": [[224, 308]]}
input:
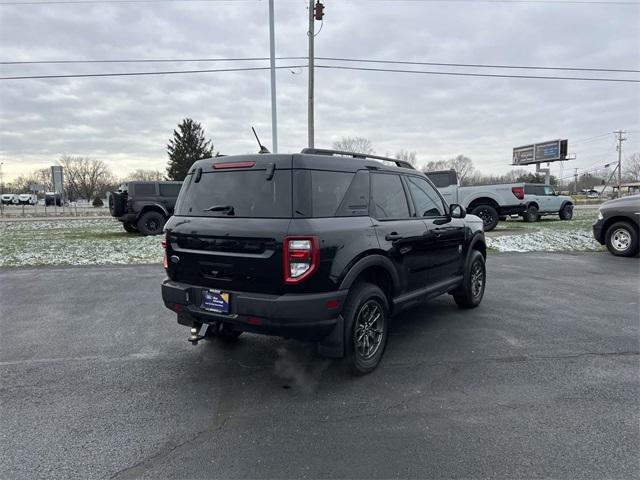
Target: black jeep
{"points": [[144, 206], [322, 246]]}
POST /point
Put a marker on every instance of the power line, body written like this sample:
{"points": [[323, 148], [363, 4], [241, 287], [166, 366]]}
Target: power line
{"points": [[131, 74], [546, 2], [477, 65], [145, 60], [335, 67], [70, 2], [336, 59], [467, 74]]}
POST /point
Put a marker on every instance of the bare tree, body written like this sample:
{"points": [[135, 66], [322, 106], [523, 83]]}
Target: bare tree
{"points": [[407, 156], [354, 144], [85, 177], [437, 165], [631, 167], [142, 175], [462, 165]]}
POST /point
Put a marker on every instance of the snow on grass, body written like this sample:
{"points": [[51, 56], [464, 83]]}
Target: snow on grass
{"points": [[74, 242], [550, 234], [545, 241]]}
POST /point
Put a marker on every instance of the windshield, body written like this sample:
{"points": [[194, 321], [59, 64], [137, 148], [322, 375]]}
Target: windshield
{"points": [[247, 193]]}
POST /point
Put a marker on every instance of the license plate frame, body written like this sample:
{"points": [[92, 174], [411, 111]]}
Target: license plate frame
{"points": [[215, 301]]}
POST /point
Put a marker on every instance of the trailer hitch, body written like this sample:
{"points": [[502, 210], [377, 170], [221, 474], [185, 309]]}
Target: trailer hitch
{"points": [[195, 336]]}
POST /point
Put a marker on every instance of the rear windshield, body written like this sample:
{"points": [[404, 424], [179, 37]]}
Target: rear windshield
{"points": [[248, 193]]}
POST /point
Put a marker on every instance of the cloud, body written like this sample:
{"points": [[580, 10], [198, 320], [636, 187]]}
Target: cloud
{"points": [[127, 121]]}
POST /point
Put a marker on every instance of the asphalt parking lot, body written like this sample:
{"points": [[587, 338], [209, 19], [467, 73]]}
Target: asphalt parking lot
{"points": [[98, 381]]}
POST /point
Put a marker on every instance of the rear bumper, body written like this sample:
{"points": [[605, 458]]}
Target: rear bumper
{"points": [[300, 316], [511, 209], [128, 218]]}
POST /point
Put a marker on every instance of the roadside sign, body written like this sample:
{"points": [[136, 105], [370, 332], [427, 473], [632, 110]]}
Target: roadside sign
{"points": [[550, 151]]}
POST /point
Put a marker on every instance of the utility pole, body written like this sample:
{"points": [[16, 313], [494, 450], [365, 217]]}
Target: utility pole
{"points": [[272, 63], [619, 148], [316, 12], [575, 180]]}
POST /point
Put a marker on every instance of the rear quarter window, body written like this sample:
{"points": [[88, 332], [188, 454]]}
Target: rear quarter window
{"points": [[169, 189], [144, 189], [321, 193]]}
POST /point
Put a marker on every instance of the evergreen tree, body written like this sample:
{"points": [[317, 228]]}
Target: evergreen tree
{"points": [[187, 146]]}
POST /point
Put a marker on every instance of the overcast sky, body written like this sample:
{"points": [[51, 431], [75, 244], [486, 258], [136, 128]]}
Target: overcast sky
{"points": [[127, 121]]}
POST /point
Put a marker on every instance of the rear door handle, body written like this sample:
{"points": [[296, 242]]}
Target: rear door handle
{"points": [[393, 236]]}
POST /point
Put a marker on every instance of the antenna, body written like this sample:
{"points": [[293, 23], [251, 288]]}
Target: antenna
{"points": [[263, 149]]}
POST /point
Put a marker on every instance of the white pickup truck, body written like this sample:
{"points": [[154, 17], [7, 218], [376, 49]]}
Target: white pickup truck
{"points": [[489, 202]]}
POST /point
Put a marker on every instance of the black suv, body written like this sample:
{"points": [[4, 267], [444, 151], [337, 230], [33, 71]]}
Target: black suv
{"points": [[322, 246], [144, 207]]}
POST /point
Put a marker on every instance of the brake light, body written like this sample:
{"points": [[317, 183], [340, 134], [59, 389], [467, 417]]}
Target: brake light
{"points": [[165, 260], [221, 165], [301, 258], [518, 192]]}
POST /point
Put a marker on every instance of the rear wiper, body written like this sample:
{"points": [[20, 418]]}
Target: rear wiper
{"points": [[221, 208]]}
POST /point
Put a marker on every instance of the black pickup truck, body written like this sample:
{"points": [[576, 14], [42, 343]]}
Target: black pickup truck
{"points": [[144, 207]]}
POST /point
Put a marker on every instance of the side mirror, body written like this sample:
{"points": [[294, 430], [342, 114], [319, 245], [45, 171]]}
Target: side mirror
{"points": [[457, 211]]}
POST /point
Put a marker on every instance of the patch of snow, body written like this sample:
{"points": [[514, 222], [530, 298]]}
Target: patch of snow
{"points": [[547, 240]]}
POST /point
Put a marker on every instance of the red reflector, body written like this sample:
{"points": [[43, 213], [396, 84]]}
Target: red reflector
{"points": [[254, 321], [300, 254], [178, 307], [218, 166], [332, 304]]}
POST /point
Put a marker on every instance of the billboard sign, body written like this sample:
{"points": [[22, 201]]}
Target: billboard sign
{"points": [[543, 152]]}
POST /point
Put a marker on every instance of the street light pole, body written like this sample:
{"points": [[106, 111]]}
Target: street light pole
{"points": [[310, 113], [272, 62]]}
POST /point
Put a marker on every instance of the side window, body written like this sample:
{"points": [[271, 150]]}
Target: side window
{"points": [[327, 191], [388, 197], [529, 189], [144, 189], [169, 189], [548, 191], [425, 198]]}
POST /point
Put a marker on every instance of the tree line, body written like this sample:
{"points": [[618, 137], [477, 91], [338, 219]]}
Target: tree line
{"points": [[89, 178]]}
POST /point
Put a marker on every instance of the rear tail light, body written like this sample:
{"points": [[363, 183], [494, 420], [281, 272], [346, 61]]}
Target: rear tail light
{"points": [[165, 261], [518, 192], [301, 258]]}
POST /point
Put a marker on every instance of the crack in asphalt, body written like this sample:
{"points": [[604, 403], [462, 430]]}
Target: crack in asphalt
{"points": [[514, 359]]}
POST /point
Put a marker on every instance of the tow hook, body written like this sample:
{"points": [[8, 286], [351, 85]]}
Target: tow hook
{"points": [[195, 336]]}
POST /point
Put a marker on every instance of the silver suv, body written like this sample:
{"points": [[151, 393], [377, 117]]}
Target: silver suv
{"points": [[544, 200]]}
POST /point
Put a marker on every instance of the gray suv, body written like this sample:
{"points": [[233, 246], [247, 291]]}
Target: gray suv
{"points": [[144, 207]]}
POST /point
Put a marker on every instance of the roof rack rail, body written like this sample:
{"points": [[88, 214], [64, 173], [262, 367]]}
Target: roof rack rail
{"points": [[325, 151]]}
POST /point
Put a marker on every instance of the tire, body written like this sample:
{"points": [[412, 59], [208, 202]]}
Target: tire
{"points": [[566, 212], [364, 302], [130, 228], [489, 216], [470, 293], [222, 331], [622, 239], [531, 214], [151, 223], [116, 204]]}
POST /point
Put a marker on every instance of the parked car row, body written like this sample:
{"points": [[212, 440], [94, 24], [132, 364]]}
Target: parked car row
{"points": [[50, 198], [19, 198]]}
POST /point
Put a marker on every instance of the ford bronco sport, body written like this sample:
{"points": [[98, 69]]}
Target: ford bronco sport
{"points": [[322, 246]]}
